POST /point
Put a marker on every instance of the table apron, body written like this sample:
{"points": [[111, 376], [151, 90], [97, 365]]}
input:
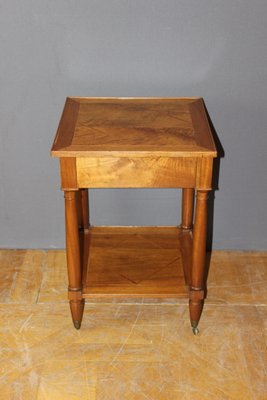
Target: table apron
{"points": [[143, 172]]}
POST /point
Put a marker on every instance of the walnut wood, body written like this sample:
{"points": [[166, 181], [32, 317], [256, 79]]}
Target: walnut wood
{"points": [[187, 208], [204, 173], [136, 262], [79, 209], [73, 257], [135, 142], [67, 123], [77, 308], [127, 127], [186, 240], [83, 220], [68, 173], [203, 135], [198, 258], [83, 208], [110, 172]]}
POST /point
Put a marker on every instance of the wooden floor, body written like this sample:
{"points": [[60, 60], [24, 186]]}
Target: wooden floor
{"points": [[129, 350]]}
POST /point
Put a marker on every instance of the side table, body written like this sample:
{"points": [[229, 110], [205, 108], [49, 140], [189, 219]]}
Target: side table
{"points": [[135, 143]]}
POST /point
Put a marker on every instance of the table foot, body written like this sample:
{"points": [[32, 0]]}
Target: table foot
{"points": [[76, 308], [77, 324], [195, 331], [194, 327], [195, 309]]}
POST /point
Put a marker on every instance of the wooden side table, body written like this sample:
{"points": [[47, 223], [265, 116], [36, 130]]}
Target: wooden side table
{"points": [[135, 143]]}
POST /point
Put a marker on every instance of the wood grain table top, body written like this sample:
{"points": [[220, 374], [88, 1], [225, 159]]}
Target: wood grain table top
{"points": [[92, 127]]}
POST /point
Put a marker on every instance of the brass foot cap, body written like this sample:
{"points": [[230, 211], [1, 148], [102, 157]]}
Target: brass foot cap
{"points": [[195, 329], [77, 324]]}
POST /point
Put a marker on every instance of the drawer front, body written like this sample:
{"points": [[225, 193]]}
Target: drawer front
{"points": [[136, 172]]}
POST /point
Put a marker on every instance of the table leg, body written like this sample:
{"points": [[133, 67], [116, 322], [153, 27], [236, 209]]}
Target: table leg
{"points": [[73, 257], [197, 288], [83, 209], [187, 208], [83, 223]]}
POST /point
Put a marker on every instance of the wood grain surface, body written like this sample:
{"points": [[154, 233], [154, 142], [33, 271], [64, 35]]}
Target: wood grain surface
{"points": [[136, 262], [126, 126], [136, 172]]}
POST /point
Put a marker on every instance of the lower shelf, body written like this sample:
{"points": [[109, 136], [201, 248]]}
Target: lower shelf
{"points": [[136, 262]]}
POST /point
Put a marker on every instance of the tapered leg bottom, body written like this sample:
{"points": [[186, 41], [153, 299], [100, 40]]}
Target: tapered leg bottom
{"points": [[76, 308], [195, 310]]}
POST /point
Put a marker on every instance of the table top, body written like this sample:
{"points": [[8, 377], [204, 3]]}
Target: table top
{"points": [[133, 127]]}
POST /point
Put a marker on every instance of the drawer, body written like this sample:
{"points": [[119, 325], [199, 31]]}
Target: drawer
{"points": [[136, 172]]}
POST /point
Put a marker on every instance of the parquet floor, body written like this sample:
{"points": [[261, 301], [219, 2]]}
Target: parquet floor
{"points": [[131, 351]]}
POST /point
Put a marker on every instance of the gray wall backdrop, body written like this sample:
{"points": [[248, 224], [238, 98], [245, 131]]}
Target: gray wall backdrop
{"points": [[216, 49]]}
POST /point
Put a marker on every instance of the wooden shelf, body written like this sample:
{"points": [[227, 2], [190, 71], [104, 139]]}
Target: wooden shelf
{"points": [[136, 262]]}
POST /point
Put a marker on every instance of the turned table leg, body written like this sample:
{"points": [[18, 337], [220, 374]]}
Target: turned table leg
{"points": [[187, 208], [197, 288], [83, 209], [73, 257], [83, 223]]}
